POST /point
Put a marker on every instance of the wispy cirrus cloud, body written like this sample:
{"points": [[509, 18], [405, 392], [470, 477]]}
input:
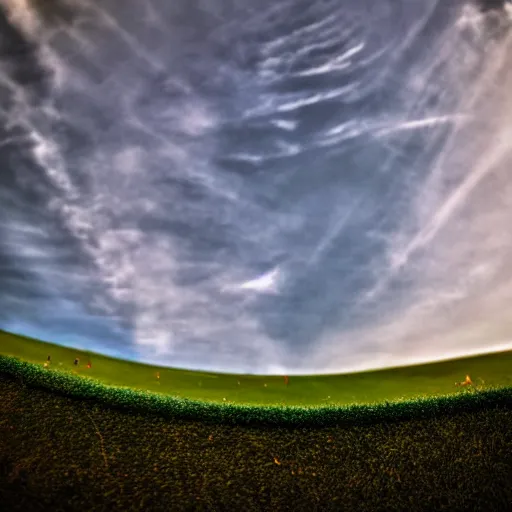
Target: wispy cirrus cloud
{"points": [[315, 196]]}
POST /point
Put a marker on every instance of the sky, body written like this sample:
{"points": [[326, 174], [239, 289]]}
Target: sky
{"points": [[257, 187]]}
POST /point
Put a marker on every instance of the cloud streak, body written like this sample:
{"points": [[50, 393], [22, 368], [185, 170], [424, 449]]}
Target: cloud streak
{"points": [[319, 196]]}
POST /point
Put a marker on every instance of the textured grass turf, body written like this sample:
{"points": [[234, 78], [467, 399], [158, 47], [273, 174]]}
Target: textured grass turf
{"points": [[59, 453], [74, 443], [427, 380], [237, 414]]}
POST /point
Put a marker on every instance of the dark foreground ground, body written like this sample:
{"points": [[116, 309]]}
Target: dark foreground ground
{"points": [[58, 453]]}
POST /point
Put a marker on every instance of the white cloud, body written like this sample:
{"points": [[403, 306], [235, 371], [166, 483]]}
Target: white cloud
{"points": [[266, 283], [451, 246], [22, 14]]}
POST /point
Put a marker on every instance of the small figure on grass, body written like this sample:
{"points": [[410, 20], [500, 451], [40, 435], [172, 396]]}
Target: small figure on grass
{"points": [[89, 364], [467, 382], [49, 359], [76, 361], [286, 380]]}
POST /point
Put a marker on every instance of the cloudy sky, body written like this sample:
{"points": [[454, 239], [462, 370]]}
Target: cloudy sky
{"points": [[263, 187]]}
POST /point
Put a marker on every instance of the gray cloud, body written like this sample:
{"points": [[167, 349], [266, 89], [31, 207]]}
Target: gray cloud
{"points": [[269, 188]]}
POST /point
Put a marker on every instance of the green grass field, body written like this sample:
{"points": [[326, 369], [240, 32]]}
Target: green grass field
{"points": [[420, 381], [65, 455], [106, 443]]}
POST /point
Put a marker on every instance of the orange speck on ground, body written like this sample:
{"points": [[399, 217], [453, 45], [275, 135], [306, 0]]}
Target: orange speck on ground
{"points": [[467, 382]]}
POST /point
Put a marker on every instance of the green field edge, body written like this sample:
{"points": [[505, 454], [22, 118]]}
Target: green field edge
{"points": [[49, 346], [88, 389], [434, 379]]}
